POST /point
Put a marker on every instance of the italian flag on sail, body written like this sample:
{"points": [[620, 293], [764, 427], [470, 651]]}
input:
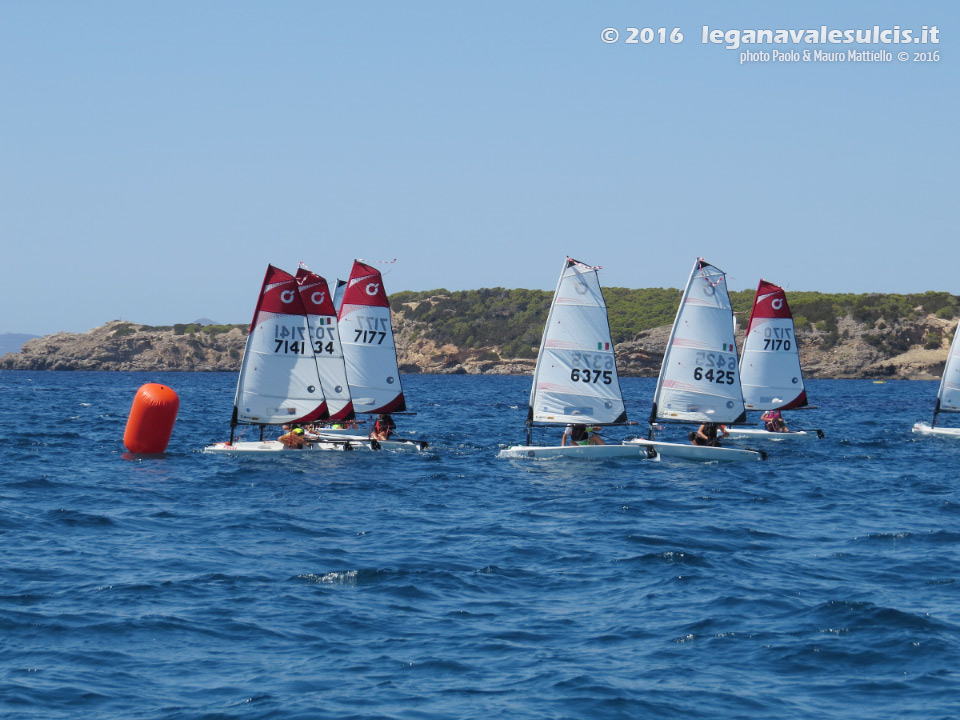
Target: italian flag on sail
{"points": [[727, 347], [603, 345]]}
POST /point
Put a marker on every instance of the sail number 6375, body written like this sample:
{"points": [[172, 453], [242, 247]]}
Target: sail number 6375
{"points": [[591, 376]]}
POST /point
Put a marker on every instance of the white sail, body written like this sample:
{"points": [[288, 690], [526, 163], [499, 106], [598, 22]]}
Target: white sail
{"points": [[322, 321], [278, 376], [948, 396], [338, 294], [576, 380], [699, 379], [366, 335], [770, 371]]}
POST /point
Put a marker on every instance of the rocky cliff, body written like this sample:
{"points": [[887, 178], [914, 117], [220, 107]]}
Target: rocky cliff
{"points": [[128, 346], [910, 349]]}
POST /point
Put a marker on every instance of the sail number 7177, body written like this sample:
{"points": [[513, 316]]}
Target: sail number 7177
{"points": [[374, 333]]}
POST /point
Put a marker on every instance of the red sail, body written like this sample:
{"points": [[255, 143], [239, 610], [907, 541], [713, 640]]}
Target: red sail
{"points": [[315, 293], [278, 295], [365, 287], [769, 302]]}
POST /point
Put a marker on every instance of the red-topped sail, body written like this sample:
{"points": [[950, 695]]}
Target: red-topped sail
{"points": [[770, 363], [367, 338], [278, 377], [325, 342], [365, 287], [769, 302]]}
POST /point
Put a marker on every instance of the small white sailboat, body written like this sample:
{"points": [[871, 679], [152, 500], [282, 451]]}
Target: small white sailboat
{"points": [[369, 352], [575, 381], [280, 377], [770, 373], [699, 381], [948, 395]]}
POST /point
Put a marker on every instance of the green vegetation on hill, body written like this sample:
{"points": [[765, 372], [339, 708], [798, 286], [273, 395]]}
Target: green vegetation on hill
{"points": [[514, 319]]}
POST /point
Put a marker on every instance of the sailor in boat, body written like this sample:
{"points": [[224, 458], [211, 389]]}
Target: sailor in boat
{"points": [[581, 435], [709, 434], [383, 428], [773, 421], [294, 439], [343, 425]]}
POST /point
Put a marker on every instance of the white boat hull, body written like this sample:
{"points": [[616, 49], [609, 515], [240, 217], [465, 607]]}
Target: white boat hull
{"points": [[760, 434], [698, 453], [924, 429], [582, 452], [343, 433], [273, 446]]}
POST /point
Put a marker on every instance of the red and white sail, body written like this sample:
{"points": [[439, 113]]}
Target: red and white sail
{"points": [[770, 367], [699, 380], [325, 342], [366, 335], [278, 377], [576, 380]]}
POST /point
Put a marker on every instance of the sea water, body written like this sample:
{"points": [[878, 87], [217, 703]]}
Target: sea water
{"points": [[822, 583]]}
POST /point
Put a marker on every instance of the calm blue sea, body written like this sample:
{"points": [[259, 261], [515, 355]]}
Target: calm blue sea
{"points": [[823, 583]]}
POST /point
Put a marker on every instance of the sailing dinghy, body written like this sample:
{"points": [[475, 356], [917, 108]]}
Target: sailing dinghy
{"points": [[770, 373], [948, 396], [369, 351], [699, 381], [575, 380], [280, 380]]}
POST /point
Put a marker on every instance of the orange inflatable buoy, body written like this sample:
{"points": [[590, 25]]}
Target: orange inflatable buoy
{"points": [[151, 420]]}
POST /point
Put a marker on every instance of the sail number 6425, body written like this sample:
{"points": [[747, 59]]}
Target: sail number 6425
{"points": [[716, 376]]}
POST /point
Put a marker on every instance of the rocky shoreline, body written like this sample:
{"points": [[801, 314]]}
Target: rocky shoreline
{"points": [[915, 349]]}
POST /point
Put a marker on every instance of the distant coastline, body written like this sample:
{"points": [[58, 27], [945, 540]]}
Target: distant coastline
{"points": [[497, 331]]}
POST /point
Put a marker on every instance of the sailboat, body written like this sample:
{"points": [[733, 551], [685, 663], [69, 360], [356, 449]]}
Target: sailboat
{"points": [[770, 373], [575, 380], [322, 321], [369, 351], [699, 380], [368, 348], [280, 379], [948, 396]]}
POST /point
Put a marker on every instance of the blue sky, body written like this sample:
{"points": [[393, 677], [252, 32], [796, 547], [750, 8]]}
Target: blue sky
{"points": [[155, 156]]}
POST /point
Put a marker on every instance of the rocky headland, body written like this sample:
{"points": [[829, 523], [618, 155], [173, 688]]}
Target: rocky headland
{"points": [[908, 349]]}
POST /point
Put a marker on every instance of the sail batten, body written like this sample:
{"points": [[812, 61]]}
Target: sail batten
{"points": [[770, 370], [699, 379], [575, 380]]}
